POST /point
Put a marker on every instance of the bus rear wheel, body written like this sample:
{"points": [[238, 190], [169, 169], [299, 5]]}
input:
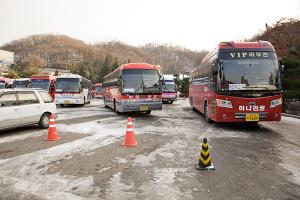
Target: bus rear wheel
{"points": [[206, 113], [148, 112]]}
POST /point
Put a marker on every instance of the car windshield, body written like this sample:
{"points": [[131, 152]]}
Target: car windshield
{"points": [[141, 81], [40, 83], [67, 85], [21, 84], [169, 88], [98, 88], [249, 73]]}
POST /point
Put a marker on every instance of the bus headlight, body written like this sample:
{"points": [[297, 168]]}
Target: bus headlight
{"points": [[276, 102], [223, 103]]}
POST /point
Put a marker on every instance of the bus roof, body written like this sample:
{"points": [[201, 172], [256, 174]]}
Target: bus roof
{"points": [[245, 45], [135, 66], [22, 79], [69, 75], [98, 84], [50, 77]]}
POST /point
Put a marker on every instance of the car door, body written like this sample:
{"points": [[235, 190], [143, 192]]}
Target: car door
{"points": [[9, 116], [29, 107]]}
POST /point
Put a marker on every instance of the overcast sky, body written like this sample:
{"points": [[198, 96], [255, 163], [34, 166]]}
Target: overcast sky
{"points": [[194, 24]]}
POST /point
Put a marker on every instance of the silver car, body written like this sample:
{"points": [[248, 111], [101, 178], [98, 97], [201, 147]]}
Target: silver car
{"points": [[22, 107]]}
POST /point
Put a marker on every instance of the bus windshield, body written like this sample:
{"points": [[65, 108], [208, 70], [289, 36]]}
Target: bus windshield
{"points": [[98, 88], [67, 85], [140, 81], [249, 73], [40, 83], [169, 88], [21, 84]]}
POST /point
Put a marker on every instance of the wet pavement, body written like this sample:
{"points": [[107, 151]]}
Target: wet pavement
{"points": [[252, 162]]}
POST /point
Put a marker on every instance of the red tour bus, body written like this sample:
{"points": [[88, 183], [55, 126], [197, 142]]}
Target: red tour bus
{"points": [[98, 93], [45, 82], [133, 87], [238, 82]]}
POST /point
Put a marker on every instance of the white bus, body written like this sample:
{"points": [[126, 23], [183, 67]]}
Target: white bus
{"points": [[72, 89]]}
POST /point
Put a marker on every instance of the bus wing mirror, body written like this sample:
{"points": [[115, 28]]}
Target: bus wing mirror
{"points": [[162, 80], [214, 70], [281, 65], [282, 69]]}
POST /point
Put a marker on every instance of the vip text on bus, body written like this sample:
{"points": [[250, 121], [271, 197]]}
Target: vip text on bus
{"points": [[72, 89], [238, 82], [133, 87]]}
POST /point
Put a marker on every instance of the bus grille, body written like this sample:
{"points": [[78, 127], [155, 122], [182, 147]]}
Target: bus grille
{"points": [[262, 115]]}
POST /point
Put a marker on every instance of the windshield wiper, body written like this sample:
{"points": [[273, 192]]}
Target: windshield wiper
{"points": [[140, 87]]}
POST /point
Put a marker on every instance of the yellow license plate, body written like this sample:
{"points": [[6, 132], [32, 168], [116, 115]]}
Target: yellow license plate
{"points": [[252, 117], [143, 108], [66, 102]]}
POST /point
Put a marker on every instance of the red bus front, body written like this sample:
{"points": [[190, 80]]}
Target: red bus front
{"points": [[45, 82], [98, 93], [133, 87], [242, 84]]}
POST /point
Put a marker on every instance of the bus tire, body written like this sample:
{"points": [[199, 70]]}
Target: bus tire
{"points": [[115, 107], [206, 112], [148, 112], [191, 102]]}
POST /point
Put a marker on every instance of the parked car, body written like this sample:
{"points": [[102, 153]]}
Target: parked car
{"points": [[25, 106]]}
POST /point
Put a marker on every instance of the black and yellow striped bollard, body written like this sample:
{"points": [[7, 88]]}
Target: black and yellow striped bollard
{"points": [[205, 158]]}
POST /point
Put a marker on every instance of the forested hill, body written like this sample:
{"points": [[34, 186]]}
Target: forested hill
{"points": [[63, 52], [285, 36]]}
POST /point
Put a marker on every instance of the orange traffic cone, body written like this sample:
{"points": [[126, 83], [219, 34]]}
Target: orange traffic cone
{"points": [[129, 137], [52, 133]]}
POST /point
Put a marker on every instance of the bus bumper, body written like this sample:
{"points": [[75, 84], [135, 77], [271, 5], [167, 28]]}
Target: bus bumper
{"points": [[139, 106], [169, 99], [68, 101]]}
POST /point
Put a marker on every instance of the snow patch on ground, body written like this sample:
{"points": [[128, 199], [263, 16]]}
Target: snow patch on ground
{"points": [[294, 170], [13, 138], [117, 189], [46, 187], [93, 127], [120, 160], [218, 132], [290, 119], [163, 187], [167, 151], [30, 170]]}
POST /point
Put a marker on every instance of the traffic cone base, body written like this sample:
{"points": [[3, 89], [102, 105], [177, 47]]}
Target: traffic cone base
{"points": [[205, 158], [129, 136], [52, 133], [205, 168]]}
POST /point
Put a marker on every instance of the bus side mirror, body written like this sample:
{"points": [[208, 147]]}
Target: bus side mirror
{"points": [[81, 87], [282, 69], [162, 80], [281, 65], [216, 67]]}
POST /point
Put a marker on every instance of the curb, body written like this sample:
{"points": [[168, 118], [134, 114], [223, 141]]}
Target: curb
{"points": [[290, 115]]}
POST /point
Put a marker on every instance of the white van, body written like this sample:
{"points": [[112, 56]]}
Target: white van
{"points": [[21, 107]]}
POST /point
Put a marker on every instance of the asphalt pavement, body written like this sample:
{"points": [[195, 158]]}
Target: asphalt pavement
{"points": [[89, 162]]}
